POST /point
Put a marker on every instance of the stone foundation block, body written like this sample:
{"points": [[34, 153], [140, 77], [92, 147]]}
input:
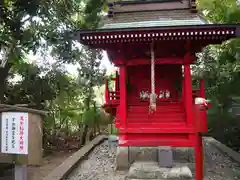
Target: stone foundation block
{"points": [[146, 154], [183, 154], [122, 158], [151, 170], [127, 155], [165, 156]]}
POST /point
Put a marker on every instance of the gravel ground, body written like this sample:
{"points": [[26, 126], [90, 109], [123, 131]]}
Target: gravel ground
{"points": [[220, 166], [99, 165]]}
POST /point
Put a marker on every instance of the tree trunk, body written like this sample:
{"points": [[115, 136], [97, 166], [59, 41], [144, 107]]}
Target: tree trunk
{"points": [[84, 134], [67, 127], [80, 123], [95, 120], [98, 128], [3, 76], [85, 129], [111, 128], [91, 135]]}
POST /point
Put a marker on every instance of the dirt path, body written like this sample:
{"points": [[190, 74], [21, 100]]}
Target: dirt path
{"points": [[39, 172], [49, 164]]}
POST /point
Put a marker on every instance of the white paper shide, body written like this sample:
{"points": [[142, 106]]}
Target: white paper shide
{"points": [[14, 133]]}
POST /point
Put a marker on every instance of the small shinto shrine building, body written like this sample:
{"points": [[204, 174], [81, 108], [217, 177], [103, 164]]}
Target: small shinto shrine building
{"points": [[153, 43]]}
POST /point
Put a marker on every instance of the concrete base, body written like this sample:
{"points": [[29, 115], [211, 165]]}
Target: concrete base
{"points": [[122, 158], [151, 170], [183, 154], [127, 155], [20, 172], [165, 156], [145, 154]]}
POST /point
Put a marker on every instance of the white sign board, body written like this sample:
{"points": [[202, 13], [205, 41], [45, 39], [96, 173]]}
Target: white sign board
{"points": [[14, 133]]}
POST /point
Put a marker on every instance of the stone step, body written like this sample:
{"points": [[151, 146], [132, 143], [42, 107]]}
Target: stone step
{"points": [[151, 170], [164, 155], [149, 179]]}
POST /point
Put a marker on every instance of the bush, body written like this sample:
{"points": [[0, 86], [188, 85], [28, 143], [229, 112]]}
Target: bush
{"points": [[225, 128]]}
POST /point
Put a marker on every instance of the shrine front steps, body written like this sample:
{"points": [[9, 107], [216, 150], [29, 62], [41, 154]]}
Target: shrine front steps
{"points": [[163, 155], [150, 170], [150, 163]]}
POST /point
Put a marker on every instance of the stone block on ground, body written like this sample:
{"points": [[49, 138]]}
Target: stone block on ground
{"points": [[146, 154], [165, 156], [151, 170], [112, 144], [183, 154], [127, 155], [122, 158], [133, 153]]}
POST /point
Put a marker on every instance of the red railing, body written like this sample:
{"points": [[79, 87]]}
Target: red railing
{"points": [[112, 97], [196, 93]]}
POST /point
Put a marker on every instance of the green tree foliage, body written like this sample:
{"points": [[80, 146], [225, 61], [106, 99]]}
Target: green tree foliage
{"points": [[219, 66], [90, 76], [223, 11], [36, 88], [37, 25], [42, 27]]}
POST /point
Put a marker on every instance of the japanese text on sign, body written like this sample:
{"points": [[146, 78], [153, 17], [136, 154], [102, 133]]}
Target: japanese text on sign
{"points": [[14, 133]]}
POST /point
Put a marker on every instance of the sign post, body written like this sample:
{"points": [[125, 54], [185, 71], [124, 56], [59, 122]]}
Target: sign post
{"points": [[20, 172], [14, 133]]}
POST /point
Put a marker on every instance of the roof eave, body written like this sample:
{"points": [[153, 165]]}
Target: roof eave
{"points": [[135, 29], [140, 2]]}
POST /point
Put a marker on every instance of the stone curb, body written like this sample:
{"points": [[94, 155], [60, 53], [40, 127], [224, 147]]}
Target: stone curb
{"points": [[223, 148], [70, 163]]}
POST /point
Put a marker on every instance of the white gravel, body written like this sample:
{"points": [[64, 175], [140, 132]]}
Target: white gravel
{"points": [[100, 165], [220, 166]]}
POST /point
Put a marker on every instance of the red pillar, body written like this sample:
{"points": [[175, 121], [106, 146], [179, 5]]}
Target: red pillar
{"points": [[188, 94], [199, 158], [123, 101], [191, 121]]}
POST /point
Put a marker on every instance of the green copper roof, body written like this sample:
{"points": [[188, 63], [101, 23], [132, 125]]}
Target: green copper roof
{"points": [[160, 23], [140, 1]]}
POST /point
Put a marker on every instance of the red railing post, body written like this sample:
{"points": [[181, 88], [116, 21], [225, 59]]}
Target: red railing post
{"points": [[183, 90], [106, 91], [123, 95], [202, 89], [117, 82], [203, 113]]}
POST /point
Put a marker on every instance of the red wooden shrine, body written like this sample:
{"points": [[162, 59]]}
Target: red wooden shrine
{"points": [[155, 55]]}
